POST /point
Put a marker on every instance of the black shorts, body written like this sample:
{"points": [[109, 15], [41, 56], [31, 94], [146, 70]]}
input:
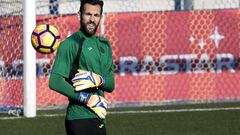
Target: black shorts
{"points": [[85, 127]]}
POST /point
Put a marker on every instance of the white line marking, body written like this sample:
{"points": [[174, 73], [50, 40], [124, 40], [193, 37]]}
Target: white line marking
{"points": [[142, 111], [177, 110]]}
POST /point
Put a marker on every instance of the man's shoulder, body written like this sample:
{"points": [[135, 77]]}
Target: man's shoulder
{"points": [[74, 38], [104, 40], [71, 42]]}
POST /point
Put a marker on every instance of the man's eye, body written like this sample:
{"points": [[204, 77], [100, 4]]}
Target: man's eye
{"points": [[97, 15], [88, 14]]}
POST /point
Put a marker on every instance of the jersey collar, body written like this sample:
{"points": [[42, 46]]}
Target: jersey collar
{"points": [[87, 37]]}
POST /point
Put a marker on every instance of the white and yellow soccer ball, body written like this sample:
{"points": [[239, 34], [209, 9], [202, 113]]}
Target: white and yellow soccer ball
{"points": [[45, 38]]}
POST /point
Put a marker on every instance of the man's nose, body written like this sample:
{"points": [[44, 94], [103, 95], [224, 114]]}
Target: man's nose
{"points": [[92, 18]]}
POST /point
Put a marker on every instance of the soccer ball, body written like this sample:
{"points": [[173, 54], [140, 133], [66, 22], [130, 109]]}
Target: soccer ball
{"points": [[45, 38]]}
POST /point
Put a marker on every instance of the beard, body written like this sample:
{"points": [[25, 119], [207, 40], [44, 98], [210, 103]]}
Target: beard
{"points": [[89, 28]]}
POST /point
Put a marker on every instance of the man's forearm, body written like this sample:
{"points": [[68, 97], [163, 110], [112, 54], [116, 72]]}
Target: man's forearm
{"points": [[109, 84], [60, 85]]}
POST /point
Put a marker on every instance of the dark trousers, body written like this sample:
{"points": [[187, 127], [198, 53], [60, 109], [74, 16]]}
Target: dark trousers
{"points": [[85, 127]]}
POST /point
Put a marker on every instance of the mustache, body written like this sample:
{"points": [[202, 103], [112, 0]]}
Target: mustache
{"points": [[92, 23]]}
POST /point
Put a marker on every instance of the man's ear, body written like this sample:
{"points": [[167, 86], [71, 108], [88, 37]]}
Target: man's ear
{"points": [[79, 15]]}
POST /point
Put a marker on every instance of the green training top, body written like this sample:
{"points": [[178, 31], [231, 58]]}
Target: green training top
{"points": [[95, 55]]}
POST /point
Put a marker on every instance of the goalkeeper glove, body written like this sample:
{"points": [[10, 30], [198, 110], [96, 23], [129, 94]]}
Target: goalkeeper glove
{"points": [[85, 79], [96, 103]]}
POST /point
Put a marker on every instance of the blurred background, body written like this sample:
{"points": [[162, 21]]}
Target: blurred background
{"points": [[165, 52]]}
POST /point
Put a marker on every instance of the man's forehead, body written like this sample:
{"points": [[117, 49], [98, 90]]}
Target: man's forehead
{"points": [[92, 8]]}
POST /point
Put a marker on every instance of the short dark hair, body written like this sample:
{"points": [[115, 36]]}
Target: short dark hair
{"points": [[92, 2]]}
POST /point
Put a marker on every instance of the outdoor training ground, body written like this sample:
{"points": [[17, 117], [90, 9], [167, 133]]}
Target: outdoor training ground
{"points": [[198, 119]]}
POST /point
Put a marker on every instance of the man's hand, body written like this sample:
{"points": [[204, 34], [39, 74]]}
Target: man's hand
{"points": [[85, 79], [96, 103]]}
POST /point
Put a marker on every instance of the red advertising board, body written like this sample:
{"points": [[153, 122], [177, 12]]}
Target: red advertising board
{"points": [[158, 57]]}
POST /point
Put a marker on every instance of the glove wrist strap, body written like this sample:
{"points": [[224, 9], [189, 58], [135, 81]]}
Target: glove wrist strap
{"points": [[83, 97], [102, 81]]}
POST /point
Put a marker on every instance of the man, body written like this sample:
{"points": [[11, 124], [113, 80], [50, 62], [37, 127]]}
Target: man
{"points": [[83, 70]]}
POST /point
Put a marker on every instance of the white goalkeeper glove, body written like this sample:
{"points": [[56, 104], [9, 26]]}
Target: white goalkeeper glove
{"points": [[85, 79], [96, 103]]}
